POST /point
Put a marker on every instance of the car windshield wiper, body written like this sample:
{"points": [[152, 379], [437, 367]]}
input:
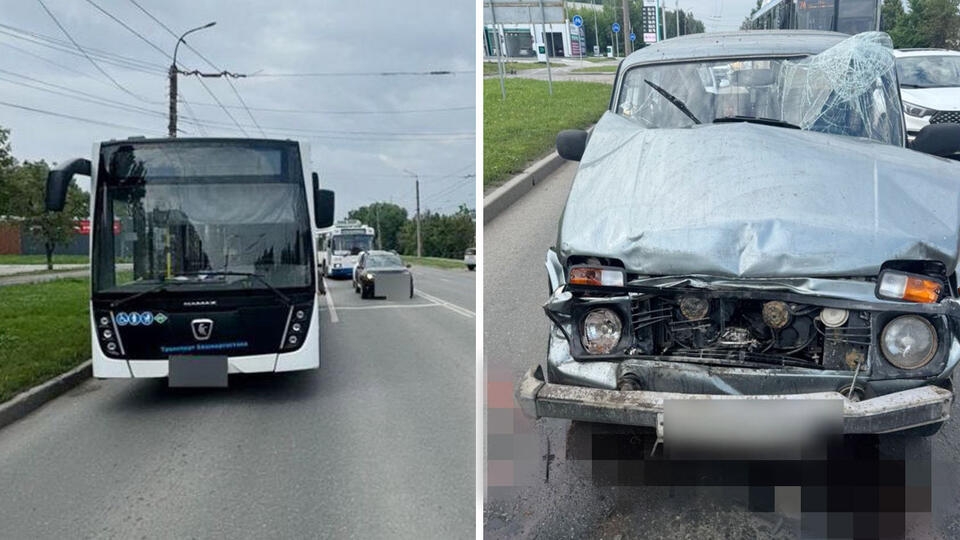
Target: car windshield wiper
{"points": [[756, 120], [675, 101], [258, 277]]}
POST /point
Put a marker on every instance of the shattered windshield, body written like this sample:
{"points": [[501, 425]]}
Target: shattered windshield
{"points": [[848, 89], [929, 71]]}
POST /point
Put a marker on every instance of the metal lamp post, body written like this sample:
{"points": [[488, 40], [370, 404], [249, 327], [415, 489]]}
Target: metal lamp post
{"points": [[172, 125]]}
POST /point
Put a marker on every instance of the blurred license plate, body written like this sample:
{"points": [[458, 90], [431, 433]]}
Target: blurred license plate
{"points": [[749, 423], [197, 371]]}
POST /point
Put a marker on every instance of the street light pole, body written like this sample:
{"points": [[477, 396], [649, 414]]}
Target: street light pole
{"points": [[172, 125]]}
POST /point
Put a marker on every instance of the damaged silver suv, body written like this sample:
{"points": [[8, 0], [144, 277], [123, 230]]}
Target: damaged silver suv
{"points": [[748, 226]]}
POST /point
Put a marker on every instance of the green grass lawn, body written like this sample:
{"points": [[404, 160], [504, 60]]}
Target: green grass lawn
{"points": [[524, 127], [42, 259], [596, 69], [490, 68], [44, 331], [436, 262]]}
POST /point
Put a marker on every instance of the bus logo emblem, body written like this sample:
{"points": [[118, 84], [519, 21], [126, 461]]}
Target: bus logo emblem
{"points": [[202, 328]]}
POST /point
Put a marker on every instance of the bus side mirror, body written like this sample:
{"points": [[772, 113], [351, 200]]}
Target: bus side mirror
{"points": [[571, 143], [58, 180], [323, 200], [938, 139]]}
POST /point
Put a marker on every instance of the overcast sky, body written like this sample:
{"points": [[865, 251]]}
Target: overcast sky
{"points": [[717, 15], [361, 156]]}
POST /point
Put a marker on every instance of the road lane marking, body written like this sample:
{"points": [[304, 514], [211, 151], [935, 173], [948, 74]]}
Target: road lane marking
{"points": [[389, 306], [452, 307], [329, 298]]}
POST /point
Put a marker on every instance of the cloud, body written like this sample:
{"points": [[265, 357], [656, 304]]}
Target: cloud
{"points": [[281, 36]]}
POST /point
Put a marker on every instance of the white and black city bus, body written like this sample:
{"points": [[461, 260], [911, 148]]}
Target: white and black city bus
{"points": [[202, 259], [846, 16], [343, 244]]}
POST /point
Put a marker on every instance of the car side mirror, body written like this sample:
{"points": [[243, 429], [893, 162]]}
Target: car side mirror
{"points": [[571, 143], [323, 204], [938, 139], [58, 180]]}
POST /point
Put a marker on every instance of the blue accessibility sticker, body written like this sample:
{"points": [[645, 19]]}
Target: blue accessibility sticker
{"points": [[122, 319], [146, 318], [134, 319]]}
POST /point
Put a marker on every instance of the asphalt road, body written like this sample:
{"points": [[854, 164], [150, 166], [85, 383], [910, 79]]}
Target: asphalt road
{"points": [[552, 478], [378, 443]]}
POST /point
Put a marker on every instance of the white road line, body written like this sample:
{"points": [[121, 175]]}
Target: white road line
{"points": [[389, 306], [452, 307], [329, 298]]}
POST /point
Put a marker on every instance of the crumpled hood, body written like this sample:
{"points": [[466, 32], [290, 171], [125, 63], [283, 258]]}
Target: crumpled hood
{"points": [[747, 200]]}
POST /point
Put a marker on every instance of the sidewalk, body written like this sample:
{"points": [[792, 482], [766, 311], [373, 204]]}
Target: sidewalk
{"points": [[20, 279], [10, 269]]}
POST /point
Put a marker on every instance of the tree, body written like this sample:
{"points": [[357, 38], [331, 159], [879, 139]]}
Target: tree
{"points": [[7, 163], [688, 24], [386, 218], [929, 23], [26, 184], [445, 236], [890, 14]]}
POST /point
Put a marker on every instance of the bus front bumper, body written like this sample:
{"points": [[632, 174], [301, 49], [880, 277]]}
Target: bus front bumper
{"points": [[882, 414]]}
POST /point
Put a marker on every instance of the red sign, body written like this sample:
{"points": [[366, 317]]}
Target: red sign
{"points": [[82, 226]]}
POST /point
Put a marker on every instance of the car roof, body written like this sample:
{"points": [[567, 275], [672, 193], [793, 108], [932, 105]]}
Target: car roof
{"points": [[380, 252], [905, 53], [736, 44]]}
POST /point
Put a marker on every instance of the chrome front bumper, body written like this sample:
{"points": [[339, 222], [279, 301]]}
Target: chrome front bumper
{"points": [[882, 414]]}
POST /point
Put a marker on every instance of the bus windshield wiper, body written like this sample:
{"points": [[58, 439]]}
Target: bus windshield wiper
{"points": [[156, 288], [258, 277], [675, 101], [756, 120]]}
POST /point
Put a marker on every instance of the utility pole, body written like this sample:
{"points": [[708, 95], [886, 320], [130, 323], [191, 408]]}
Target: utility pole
{"points": [[379, 233], [596, 34], [626, 31], [546, 49], [419, 244], [172, 125], [676, 15]]}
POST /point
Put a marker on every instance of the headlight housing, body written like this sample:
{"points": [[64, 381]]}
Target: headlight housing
{"points": [[909, 342], [916, 110], [600, 331]]}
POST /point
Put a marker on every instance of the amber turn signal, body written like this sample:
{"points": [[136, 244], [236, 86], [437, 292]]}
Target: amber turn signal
{"points": [[911, 288], [600, 277]]}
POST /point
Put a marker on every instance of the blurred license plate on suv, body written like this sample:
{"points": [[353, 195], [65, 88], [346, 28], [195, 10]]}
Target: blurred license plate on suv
{"points": [[749, 424], [198, 371]]}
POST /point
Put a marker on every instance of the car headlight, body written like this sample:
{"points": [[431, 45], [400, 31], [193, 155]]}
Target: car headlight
{"points": [[601, 331], [368, 275], [909, 342], [916, 110]]}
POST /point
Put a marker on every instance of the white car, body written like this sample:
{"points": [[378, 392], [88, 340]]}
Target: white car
{"points": [[929, 87]]}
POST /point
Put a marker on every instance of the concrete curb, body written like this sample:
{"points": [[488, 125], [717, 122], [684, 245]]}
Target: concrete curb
{"points": [[519, 185], [502, 197], [26, 402]]}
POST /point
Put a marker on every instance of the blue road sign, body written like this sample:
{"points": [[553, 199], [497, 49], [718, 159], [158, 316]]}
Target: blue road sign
{"points": [[616, 28], [633, 37], [577, 21]]}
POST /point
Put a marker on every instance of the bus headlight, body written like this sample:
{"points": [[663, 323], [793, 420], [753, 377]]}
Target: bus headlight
{"points": [[600, 331], [299, 323], [909, 342]]}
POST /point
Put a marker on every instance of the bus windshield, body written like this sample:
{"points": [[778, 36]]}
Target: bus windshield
{"points": [[352, 244], [169, 211]]}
